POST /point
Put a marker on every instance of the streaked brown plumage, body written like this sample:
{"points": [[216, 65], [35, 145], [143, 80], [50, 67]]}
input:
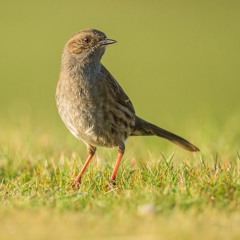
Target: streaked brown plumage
{"points": [[92, 104]]}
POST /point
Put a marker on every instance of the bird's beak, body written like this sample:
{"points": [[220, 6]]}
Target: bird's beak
{"points": [[107, 41]]}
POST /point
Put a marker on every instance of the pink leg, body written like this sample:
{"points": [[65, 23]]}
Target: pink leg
{"points": [[91, 152], [119, 158]]}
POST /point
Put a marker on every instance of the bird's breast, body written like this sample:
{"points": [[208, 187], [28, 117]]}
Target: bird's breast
{"points": [[91, 114]]}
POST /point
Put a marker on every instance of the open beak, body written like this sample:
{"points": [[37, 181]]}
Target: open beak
{"points": [[107, 41]]}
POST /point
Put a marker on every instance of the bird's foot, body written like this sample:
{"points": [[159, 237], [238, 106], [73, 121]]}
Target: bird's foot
{"points": [[111, 184], [76, 184]]}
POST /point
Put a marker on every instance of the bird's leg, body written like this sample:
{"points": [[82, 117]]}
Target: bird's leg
{"points": [[119, 158], [91, 152]]}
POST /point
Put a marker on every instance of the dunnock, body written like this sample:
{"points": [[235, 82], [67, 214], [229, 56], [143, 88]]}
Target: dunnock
{"points": [[92, 104]]}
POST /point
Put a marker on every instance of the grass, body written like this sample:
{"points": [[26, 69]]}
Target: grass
{"points": [[178, 61], [167, 194]]}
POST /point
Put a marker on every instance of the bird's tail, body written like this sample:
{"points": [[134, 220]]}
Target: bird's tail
{"points": [[144, 128]]}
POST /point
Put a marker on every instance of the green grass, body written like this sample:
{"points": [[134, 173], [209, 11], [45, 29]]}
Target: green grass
{"points": [[179, 63], [166, 193]]}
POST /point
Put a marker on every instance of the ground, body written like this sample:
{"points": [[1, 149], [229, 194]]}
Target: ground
{"points": [[160, 193]]}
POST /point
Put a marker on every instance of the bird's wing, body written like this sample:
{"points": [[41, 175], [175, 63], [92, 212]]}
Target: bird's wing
{"points": [[119, 94]]}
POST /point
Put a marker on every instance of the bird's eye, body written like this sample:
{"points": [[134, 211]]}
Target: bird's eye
{"points": [[86, 39]]}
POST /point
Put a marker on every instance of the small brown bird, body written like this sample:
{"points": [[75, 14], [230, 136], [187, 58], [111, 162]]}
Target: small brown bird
{"points": [[92, 104]]}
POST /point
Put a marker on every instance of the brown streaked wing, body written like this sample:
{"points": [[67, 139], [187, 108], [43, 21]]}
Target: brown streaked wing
{"points": [[120, 96]]}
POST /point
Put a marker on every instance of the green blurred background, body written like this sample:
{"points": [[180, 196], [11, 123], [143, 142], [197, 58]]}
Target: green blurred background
{"points": [[177, 60]]}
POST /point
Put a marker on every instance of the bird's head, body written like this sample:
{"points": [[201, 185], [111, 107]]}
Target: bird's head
{"points": [[88, 43]]}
